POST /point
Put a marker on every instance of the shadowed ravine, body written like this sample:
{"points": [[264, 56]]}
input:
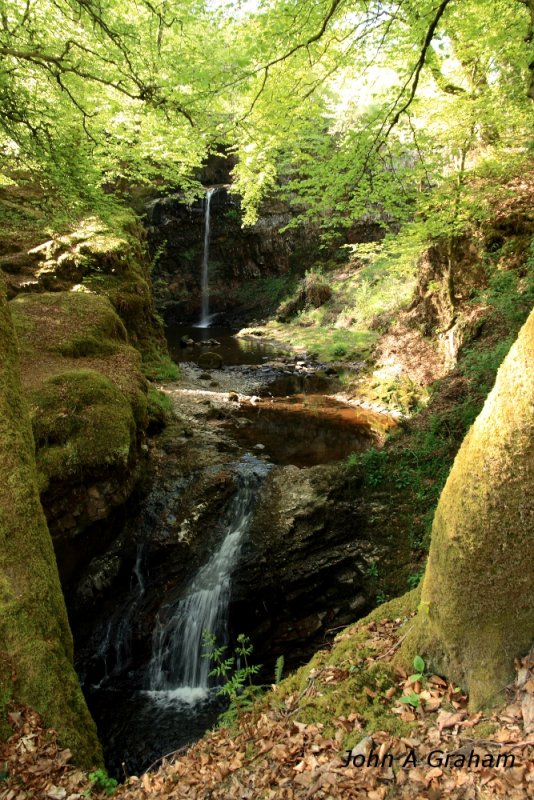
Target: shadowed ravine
{"points": [[147, 682]]}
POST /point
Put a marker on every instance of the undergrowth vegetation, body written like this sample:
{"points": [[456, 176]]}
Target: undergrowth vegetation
{"points": [[235, 673], [419, 454], [336, 312], [349, 678]]}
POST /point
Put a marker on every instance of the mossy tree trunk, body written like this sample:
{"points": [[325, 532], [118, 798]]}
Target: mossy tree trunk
{"points": [[35, 639], [477, 603]]}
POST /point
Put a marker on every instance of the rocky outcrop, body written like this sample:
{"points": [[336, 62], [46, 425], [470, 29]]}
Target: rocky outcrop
{"points": [[102, 258], [36, 643], [88, 406], [83, 310], [308, 563], [488, 256], [449, 272]]}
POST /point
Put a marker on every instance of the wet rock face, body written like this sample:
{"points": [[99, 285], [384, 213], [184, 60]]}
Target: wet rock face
{"points": [[82, 519], [304, 568], [237, 256], [305, 562]]}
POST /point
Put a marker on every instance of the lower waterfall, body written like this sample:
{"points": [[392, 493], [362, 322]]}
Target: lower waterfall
{"points": [[145, 712], [178, 670]]}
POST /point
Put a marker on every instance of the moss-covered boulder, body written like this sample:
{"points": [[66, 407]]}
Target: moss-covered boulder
{"points": [[82, 424], [107, 257], [210, 360], [35, 640], [88, 404]]}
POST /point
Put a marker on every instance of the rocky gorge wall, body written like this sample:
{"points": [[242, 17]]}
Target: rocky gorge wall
{"points": [[82, 306], [308, 560], [238, 257]]}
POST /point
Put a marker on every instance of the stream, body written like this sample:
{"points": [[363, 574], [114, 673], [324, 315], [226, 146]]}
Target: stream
{"points": [[234, 351], [248, 438], [147, 682]]}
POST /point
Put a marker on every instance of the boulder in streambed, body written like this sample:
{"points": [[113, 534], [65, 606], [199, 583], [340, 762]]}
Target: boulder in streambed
{"points": [[210, 360]]}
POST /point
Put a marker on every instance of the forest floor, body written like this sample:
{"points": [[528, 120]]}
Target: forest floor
{"points": [[432, 747]]}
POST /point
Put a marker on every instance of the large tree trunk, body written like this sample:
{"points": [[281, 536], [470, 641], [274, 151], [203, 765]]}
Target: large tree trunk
{"points": [[35, 640], [477, 605]]}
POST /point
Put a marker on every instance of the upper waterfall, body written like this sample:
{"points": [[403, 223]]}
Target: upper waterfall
{"points": [[205, 313]]}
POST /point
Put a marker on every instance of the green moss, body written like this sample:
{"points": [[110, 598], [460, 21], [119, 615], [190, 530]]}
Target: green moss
{"points": [[81, 422], [103, 257], [6, 694], [160, 408], [484, 730], [325, 342], [84, 420], [352, 654], [477, 598], [335, 313], [334, 700], [35, 640], [121, 271], [75, 324], [158, 366], [83, 346]]}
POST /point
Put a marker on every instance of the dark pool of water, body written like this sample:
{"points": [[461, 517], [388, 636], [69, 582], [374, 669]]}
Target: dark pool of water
{"points": [[142, 728], [232, 350], [310, 429]]}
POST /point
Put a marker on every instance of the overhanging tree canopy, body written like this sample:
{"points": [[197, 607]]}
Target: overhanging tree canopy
{"points": [[356, 104]]}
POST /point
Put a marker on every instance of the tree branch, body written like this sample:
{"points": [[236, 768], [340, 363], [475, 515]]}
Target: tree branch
{"points": [[146, 92], [304, 45], [416, 73]]}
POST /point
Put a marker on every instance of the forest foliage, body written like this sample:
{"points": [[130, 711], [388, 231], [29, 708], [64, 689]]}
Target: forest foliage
{"points": [[346, 108]]}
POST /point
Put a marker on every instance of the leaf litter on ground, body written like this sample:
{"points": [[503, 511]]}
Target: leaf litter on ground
{"points": [[273, 755]]}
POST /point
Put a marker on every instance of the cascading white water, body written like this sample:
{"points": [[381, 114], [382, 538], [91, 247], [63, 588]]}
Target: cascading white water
{"points": [[177, 668], [205, 313]]}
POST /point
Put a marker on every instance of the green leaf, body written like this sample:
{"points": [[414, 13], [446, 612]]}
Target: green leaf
{"points": [[412, 699], [419, 664]]}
